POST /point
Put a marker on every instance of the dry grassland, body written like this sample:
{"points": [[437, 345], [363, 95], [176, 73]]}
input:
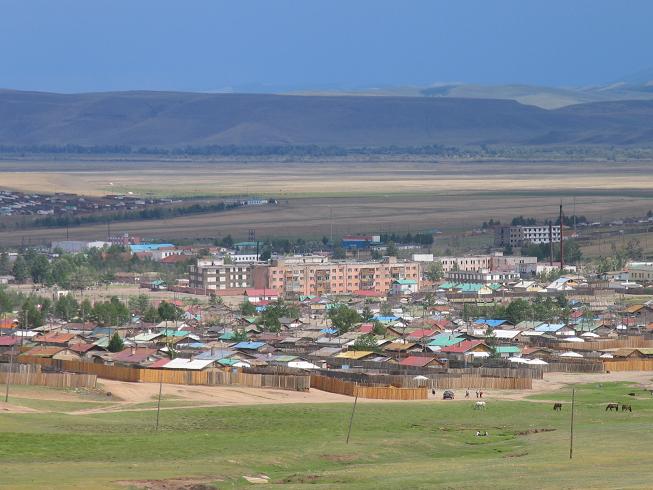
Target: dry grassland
{"points": [[361, 196]]}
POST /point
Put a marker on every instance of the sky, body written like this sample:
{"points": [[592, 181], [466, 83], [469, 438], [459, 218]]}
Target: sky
{"points": [[247, 45]]}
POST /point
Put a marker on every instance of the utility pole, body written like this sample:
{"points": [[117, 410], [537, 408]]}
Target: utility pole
{"points": [[353, 411], [158, 403], [571, 433], [562, 247], [11, 369], [551, 243]]}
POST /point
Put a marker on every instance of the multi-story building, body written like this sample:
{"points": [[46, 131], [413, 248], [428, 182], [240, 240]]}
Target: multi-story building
{"points": [[215, 274], [517, 236], [316, 275], [640, 271], [482, 276]]}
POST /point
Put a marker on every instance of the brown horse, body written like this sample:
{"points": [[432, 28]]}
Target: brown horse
{"points": [[625, 407], [612, 406], [557, 406]]}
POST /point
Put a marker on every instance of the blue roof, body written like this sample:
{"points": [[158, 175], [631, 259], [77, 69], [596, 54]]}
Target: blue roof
{"points": [[148, 247], [549, 327], [489, 322], [329, 331], [249, 345], [386, 318]]}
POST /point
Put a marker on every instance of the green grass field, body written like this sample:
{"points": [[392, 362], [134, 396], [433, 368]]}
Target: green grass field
{"points": [[393, 445]]}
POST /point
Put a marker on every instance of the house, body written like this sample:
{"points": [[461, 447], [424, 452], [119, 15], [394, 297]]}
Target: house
{"points": [[558, 329], [52, 352], [7, 342], [643, 314], [506, 335], [188, 364], [356, 355], [467, 349], [402, 347], [57, 339], [258, 295], [506, 351], [135, 355], [249, 346], [492, 323], [444, 340], [400, 287], [421, 362]]}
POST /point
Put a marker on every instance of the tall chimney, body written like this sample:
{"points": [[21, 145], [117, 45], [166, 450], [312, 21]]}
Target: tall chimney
{"points": [[562, 247], [551, 243]]}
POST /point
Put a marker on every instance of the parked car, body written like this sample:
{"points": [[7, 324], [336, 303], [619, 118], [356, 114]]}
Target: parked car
{"points": [[447, 395]]}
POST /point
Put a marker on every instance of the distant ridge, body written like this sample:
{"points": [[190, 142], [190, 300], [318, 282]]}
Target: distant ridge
{"points": [[176, 119]]}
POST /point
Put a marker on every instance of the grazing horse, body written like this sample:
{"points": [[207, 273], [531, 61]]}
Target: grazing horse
{"points": [[612, 406], [557, 406], [480, 406], [625, 407]]}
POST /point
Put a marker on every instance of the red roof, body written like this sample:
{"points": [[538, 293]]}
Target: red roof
{"points": [[462, 347], [139, 354], [418, 334], [174, 259], [417, 361], [7, 340], [54, 338], [366, 328], [261, 292], [159, 363], [369, 294], [81, 347], [7, 323]]}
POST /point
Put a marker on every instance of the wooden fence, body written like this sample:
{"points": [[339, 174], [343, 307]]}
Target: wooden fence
{"points": [[51, 380], [212, 377], [627, 342], [629, 365], [489, 383], [379, 392]]}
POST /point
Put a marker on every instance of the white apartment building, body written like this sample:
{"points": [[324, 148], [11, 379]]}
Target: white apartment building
{"points": [[214, 274], [517, 236]]}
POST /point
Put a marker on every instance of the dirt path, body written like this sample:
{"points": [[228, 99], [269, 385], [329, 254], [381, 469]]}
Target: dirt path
{"points": [[131, 396]]}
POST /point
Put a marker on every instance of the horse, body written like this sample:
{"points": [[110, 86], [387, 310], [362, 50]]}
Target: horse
{"points": [[557, 406], [612, 406], [625, 407], [480, 406]]}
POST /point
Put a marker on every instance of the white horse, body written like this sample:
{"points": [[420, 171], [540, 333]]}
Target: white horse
{"points": [[480, 406]]}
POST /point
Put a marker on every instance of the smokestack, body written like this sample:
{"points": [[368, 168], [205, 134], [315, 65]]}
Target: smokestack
{"points": [[550, 243], [562, 247]]}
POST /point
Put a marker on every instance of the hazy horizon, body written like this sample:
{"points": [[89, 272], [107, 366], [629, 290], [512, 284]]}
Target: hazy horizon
{"points": [[213, 46]]}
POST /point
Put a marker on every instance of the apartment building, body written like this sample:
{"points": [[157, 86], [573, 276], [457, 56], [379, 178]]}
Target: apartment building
{"points": [[215, 274], [517, 236], [317, 275], [482, 276]]}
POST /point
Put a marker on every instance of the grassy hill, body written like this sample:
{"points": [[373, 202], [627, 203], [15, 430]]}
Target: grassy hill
{"points": [[168, 119]]}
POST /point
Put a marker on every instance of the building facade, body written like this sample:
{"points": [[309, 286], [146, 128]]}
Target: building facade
{"points": [[518, 236], [317, 275], [214, 274]]}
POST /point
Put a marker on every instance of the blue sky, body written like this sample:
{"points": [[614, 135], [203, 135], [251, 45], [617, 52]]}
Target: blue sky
{"points": [[204, 45]]}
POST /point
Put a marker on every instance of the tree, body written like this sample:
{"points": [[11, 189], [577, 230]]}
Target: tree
{"points": [[40, 269], [379, 328], [66, 307], [168, 311], [240, 335], [116, 344], [375, 254], [365, 342], [82, 277], [367, 314], [339, 253], [21, 270], [386, 309], [215, 300], [391, 249], [247, 308], [30, 315], [518, 311], [139, 304], [5, 265], [434, 271], [151, 315], [343, 318]]}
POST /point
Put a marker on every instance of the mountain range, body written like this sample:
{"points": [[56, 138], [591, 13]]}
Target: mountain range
{"points": [[442, 116]]}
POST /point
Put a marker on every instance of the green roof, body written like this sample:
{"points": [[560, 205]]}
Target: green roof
{"points": [[445, 340], [174, 333], [508, 349], [406, 282]]}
